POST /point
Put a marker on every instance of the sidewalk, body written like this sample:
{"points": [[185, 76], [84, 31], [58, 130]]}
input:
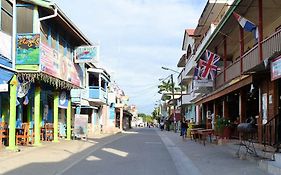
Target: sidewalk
{"points": [[50, 158], [211, 159]]}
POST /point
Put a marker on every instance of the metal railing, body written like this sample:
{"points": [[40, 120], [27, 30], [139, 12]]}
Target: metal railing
{"points": [[270, 134]]}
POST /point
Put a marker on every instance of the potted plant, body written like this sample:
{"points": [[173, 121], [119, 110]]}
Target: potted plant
{"points": [[223, 127]]}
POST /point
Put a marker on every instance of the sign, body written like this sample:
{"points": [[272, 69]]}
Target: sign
{"points": [[28, 49], [63, 100], [80, 126], [203, 83], [86, 54], [58, 65], [4, 87], [276, 68]]}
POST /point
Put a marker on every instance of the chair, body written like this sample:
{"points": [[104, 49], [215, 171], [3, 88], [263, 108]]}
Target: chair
{"points": [[22, 134], [49, 132], [3, 132]]}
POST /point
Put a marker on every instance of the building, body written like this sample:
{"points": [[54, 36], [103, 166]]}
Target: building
{"points": [[248, 83]]}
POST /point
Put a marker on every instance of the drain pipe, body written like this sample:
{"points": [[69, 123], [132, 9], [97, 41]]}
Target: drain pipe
{"points": [[50, 16]]}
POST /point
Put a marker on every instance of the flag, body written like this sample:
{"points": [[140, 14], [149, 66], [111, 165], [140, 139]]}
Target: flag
{"points": [[207, 67], [247, 25], [42, 3]]}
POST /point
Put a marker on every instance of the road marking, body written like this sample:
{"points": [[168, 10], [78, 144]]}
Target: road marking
{"points": [[116, 152], [183, 164]]}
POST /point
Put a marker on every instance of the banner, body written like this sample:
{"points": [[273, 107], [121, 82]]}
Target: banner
{"points": [[28, 49], [58, 65], [86, 54]]}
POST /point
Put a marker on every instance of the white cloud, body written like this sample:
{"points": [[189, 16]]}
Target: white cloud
{"points": [[137, 37]]}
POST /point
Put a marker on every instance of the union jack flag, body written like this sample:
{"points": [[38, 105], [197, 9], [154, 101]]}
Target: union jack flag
{"points": [[207, 67]]}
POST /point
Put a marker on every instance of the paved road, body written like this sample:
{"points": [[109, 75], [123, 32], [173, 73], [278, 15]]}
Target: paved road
{"points": [[137, 153], [144, 151]]}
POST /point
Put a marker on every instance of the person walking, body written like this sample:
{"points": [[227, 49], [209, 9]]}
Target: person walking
{"points": [[183, 128]]}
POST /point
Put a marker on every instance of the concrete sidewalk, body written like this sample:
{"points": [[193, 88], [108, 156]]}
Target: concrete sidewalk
{"points": [[50, 158], [211, 159]]}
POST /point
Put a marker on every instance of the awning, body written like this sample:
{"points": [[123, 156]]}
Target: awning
{"points": [[233, 85], [6, 75]]}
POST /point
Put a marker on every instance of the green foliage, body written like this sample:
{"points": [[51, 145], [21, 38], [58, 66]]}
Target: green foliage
{"points": [[221, 123], [165, 86]]}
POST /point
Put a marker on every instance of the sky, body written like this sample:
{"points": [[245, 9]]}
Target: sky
{"points": [[136, 38]]}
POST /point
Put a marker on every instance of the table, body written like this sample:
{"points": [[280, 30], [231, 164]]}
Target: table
{"points": [[194, 133], [203, 133]]}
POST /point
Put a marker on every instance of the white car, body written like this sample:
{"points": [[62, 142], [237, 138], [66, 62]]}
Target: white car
{"points": [[141, 125]]}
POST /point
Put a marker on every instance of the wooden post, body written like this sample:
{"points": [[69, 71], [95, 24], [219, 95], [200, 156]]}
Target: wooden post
{"points": [[68, 120], [37, 125], [224, 57], [13, 109], [241, 48], [56, 116], [121, 118], [260, 28]]}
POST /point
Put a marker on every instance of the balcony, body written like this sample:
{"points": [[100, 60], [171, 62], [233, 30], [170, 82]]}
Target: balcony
{"points": [[94, 94], [250, 60], [97, 94]]}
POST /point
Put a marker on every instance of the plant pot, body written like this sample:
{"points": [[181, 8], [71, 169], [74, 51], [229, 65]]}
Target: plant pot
{"points": [[226, 132]]}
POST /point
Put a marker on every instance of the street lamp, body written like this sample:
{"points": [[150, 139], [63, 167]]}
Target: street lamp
{"points": [[173, 94]]}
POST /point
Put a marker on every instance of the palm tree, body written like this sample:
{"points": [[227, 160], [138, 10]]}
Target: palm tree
{"points": [[165, 86]]}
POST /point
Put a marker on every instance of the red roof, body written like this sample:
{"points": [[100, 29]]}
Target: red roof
{"points": [[190, 32], [178, 117]]}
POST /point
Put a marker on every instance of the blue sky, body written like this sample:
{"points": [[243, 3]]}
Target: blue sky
{"points": [[137, 38]]}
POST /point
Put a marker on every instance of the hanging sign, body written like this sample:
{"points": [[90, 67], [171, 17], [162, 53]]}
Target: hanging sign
{"points": [[86, 54], [28, 49], [63, 101], [276, 68]]}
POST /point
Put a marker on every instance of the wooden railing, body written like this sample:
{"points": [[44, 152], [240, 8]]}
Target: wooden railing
{"points": [[250, 59], [219, 80], [271, 44], [232, 71]]}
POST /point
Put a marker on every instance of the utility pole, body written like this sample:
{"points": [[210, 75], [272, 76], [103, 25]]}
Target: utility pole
{"points": [[173, 96]]}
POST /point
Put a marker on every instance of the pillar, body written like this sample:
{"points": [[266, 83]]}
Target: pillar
{"points": [[121, 118], [68, 121], [225, 109], [56, 116], [242, 106], [241, 47], [13, 110], [37, 125], [224, 58]]}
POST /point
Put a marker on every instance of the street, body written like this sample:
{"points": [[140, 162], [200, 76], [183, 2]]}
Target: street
{"points": [[142, 151]]}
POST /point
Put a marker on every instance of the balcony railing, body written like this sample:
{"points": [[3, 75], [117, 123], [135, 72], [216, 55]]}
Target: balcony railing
{"points": [[251, 59], [93, 93]]}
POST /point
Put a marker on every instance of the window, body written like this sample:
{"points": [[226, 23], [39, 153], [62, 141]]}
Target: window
{"points": [[6, 17], [25, 19], [44, 33]]}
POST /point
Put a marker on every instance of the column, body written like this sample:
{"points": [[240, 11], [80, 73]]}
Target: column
{"points": [[242, 106], [225, 109], [68, 120], [12, 119], [37, 124], [56, 116], [121, 118]]}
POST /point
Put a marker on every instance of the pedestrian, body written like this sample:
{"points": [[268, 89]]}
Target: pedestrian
{"points": [[183, 128]]}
